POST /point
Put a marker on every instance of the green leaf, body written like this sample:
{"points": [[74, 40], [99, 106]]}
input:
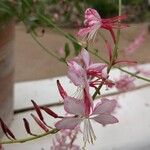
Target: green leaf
{"points": [[77, 47], [67, 50], [96, 51]]}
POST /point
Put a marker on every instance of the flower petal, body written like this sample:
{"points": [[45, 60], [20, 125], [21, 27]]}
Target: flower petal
{"points": [[91, 17], [74, 106], [97, 66], [92, 23], [105, 119], [68, 123], [88, 103], [83, 32], [105, 107], [92, 34], [76, 73], [85, 57]]}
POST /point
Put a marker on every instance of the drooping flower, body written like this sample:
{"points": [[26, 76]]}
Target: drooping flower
{"points": [[81, 110], [93, 22]]}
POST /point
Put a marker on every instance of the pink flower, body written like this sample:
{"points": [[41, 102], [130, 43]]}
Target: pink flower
{"points": [[81, 70], [88, 65], [82, 110], [76, 73], [136, 43], [124, 83], [93, 22], [65, 146]]}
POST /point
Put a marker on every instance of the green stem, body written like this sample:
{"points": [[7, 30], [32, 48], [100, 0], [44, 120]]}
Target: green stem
{"points": [[114, 57], [120, 5], [51, 23], [115, 52], [53, 131], [125, 71], [132, 74]]}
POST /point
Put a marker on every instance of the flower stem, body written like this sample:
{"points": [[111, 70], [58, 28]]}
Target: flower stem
{"points": [[51, 23], [53, 131], [123, 70], [46, 50], [133, 74], [114, 57]]}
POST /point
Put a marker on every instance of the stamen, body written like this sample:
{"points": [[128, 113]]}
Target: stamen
{"points": [[88, 135], [92, 132], [85, 133]]}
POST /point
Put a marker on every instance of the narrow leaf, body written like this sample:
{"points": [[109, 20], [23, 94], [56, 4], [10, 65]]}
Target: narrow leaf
{"points": [[67, 50], [77, 47]]}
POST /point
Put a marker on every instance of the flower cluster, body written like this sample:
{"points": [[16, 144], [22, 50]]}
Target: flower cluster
{"points": [[84, 74], [83, 109]]}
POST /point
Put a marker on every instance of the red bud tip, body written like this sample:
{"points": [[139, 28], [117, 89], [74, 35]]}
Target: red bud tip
{"points": [[61, 90], [50, 112], [40, 123], [27, 127], [6, 130], [37, 109]]}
